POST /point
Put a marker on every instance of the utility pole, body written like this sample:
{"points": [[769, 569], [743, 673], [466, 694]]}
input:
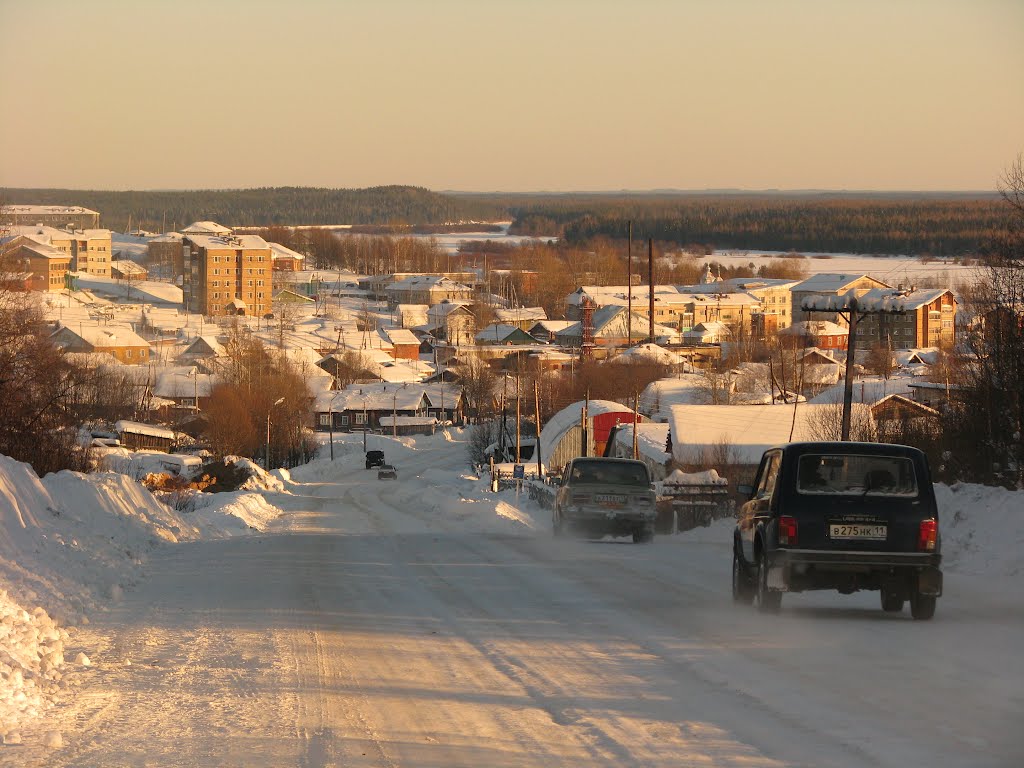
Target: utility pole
{"points": [[536, 411], [394, 414], [636, 443], [650, 288], [519, 416], [854, 310], [629, 284]]}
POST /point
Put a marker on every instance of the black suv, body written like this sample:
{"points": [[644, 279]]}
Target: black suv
{"points": [[374, 459], [843, 516]]}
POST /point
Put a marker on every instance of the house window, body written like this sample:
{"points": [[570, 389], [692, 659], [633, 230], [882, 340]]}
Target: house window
{"points": [[344, 420], [127, 353], [325, 419], [360, 418]]}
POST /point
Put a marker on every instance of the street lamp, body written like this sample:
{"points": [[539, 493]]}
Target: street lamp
{"points": [[269, 410]]}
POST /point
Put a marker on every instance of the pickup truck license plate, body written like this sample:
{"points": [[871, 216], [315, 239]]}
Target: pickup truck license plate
{"points": [[610, 499], [857, 531]]}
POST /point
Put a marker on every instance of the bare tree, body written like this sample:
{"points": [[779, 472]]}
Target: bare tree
{"points": [[986, 402]]}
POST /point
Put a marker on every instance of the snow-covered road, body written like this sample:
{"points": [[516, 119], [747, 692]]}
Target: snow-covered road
{"points": [[390, 624]]}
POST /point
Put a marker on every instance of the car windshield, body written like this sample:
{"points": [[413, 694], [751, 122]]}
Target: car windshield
{"points": [[856, 475], [611, 472]]}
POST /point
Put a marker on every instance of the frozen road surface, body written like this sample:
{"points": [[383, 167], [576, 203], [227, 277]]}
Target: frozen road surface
{"points": [[409, 623]]}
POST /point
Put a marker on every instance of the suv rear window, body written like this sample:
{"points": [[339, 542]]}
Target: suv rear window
{"points": [[611, 472], [856, 475]]}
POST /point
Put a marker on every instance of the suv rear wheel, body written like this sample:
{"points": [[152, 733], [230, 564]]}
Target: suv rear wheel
{"points": [[768, 601], [742, 589], [892, 602], [922, 607], [643, 535]]}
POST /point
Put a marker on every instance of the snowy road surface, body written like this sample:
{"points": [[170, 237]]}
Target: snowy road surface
{"points": [[387, 624]]}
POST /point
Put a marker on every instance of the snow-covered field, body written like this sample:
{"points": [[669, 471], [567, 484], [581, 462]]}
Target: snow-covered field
{"points": [[430, 622]]}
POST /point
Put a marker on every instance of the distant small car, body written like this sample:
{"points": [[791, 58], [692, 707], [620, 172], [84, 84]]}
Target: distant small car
{"points": [[604, 496], [387, 472], [375, 459], [839, 516]]}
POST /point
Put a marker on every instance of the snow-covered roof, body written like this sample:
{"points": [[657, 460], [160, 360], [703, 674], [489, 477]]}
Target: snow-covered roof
{"points": [[170, 237], [184, 381], [651, 439], [139, 428], [567, 418], [867, 390], [278, 251], [38, 246], [749, 430], [423, 282], [603, 295], [206, 228], [41, 233], [829, 282], [103, 336], [400, 336], [378, 397], [204, 346], [552, 326], [520, 314], [648, 353], [874, 300], [233, 242], [47, 210]]}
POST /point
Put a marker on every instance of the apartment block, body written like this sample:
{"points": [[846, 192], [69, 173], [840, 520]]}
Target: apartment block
{"points": [[227, 274]]}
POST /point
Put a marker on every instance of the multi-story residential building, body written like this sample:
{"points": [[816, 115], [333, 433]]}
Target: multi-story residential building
{"points": [[774, 295], [35, 265], [227, 275], [89, 249], [58, 216], [681, 309], [454, 323], [829, 284], [928, 320], [92, 251], [427, 289]]}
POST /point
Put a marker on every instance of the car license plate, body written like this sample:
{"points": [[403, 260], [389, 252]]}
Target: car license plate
{"points": [[610, 499], [872, 532]]}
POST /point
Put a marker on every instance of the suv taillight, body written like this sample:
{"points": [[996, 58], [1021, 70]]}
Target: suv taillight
{"points": [[927, 534], [787, 531]]}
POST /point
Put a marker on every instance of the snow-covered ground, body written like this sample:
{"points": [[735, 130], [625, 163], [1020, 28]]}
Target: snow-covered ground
{"points": [[428, 621]]}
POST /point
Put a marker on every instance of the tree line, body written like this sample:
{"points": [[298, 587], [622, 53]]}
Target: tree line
{"points": [[170, 210], [927, 224]]}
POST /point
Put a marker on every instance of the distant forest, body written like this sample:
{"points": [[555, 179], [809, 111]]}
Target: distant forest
{"points": [[920, 224], [157, 211], [925, 224]]}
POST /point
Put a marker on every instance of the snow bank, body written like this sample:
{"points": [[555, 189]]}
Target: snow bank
{"points": [[232, 514], [31, 656], [982, 529], [71, 543]]}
